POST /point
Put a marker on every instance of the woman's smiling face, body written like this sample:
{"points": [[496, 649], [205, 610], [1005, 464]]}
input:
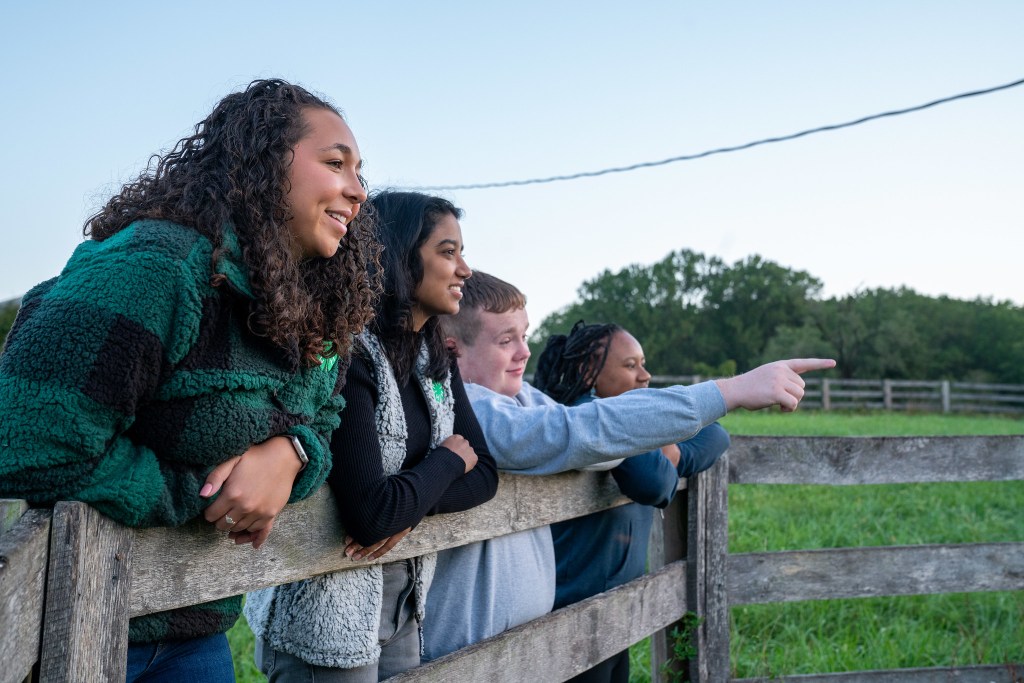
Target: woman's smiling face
{"points": [[439, 291], [623, 368], [324, 192]]}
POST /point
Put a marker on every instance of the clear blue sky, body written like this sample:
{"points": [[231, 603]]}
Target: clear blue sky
{"points": [[457, 92]]}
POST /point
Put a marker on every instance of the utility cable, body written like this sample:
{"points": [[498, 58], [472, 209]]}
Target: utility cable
{"points": [[720, 150]]}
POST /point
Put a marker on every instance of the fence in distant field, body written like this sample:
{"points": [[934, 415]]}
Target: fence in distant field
{"points": [[897, 394]]}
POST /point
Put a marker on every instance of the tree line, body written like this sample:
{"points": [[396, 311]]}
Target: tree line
{"points": [[696, 314]]}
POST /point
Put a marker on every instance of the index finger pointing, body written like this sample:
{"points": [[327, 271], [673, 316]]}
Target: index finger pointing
{"points": [[801, 365]]}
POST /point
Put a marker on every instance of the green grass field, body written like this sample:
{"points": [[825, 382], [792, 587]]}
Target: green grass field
{"points": [[877, 633]]}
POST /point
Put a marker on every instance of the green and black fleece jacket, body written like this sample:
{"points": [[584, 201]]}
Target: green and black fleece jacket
{"points": [[126, 379]]}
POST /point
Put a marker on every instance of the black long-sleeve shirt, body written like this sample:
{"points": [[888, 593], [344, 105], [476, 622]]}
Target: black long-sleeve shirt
{"points": [[373, 505]]}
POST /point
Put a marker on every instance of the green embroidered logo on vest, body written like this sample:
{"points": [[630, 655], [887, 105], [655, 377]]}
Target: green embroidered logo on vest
{"points": [[438, 391], [327, 364]]}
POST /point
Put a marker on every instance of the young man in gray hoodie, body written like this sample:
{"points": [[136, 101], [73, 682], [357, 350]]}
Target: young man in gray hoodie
{"points": [[484, 588]]}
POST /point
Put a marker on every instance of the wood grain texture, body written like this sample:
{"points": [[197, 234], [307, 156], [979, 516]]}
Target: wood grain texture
{"points": [[85, 628], [23, 555], [672, 548], [707, 550], [172, 565], [849, 461], [1008, 673], [564, 643], [870, 572]]}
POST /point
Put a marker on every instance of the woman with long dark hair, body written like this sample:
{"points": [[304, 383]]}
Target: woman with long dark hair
{"points": [[606, 549], [410, 446], [196, 345]]}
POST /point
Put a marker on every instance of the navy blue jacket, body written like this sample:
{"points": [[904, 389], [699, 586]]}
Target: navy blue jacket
{"points": [[609, 548]]}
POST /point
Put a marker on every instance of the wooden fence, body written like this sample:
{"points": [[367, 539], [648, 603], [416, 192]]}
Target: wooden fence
{"points": [[99, 574], [752, 578], [897, 394]]}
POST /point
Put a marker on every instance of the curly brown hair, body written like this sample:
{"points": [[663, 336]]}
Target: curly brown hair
{"points": [[234, 170]]}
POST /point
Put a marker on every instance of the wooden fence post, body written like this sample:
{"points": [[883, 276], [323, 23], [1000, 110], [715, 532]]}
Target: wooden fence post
{"points": [[707, 569], [669, 546], [85, 630], [945, 396], [887, 394], [24, 538], [826, 393]]}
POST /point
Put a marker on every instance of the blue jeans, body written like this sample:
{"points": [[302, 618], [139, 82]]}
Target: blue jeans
{"points": [[205, 659]]}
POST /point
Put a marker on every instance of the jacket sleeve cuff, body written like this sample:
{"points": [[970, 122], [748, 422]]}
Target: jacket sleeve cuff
{"points": [[709, 402]]}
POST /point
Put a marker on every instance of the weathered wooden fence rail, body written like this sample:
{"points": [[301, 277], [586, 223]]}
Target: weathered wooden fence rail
{"points": [[868, 572], [897, 394], [100, 573]]}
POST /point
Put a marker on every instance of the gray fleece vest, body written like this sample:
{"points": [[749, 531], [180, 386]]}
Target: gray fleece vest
{"points": [[334, 619]]}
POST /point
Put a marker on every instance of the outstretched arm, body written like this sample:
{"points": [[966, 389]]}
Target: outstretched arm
{"points": [[536, 435], [770, 384]]}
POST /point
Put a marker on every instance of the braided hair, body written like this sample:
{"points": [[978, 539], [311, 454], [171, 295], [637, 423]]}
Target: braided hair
{"points": [[570, 363]]}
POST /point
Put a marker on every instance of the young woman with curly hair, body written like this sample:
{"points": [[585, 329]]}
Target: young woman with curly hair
{"points": [[411, 446], [197, 345]]}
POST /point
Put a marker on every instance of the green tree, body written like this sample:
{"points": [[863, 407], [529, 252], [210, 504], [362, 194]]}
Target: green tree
{"points": [[8, 311], [747, 303], [660, 304], [805, 341], [874, 333]]}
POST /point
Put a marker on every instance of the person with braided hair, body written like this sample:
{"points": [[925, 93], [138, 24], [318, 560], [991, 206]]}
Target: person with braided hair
{"points": [[482, 589], [606, 549], [190, 357]]}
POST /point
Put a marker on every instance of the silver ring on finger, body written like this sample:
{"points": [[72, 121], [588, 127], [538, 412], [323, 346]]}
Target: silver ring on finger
{"points": [[228, 520]]}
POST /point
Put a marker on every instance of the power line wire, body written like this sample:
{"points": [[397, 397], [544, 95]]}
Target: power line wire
{"points": [[720, 150]]}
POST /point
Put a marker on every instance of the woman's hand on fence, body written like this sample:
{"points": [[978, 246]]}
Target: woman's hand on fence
{"points": [[458, 445], [770, 384], [358, 552], [254, 488]]}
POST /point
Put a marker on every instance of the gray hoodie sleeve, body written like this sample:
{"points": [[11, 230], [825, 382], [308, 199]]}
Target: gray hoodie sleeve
{"points": [[532, 434]]}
